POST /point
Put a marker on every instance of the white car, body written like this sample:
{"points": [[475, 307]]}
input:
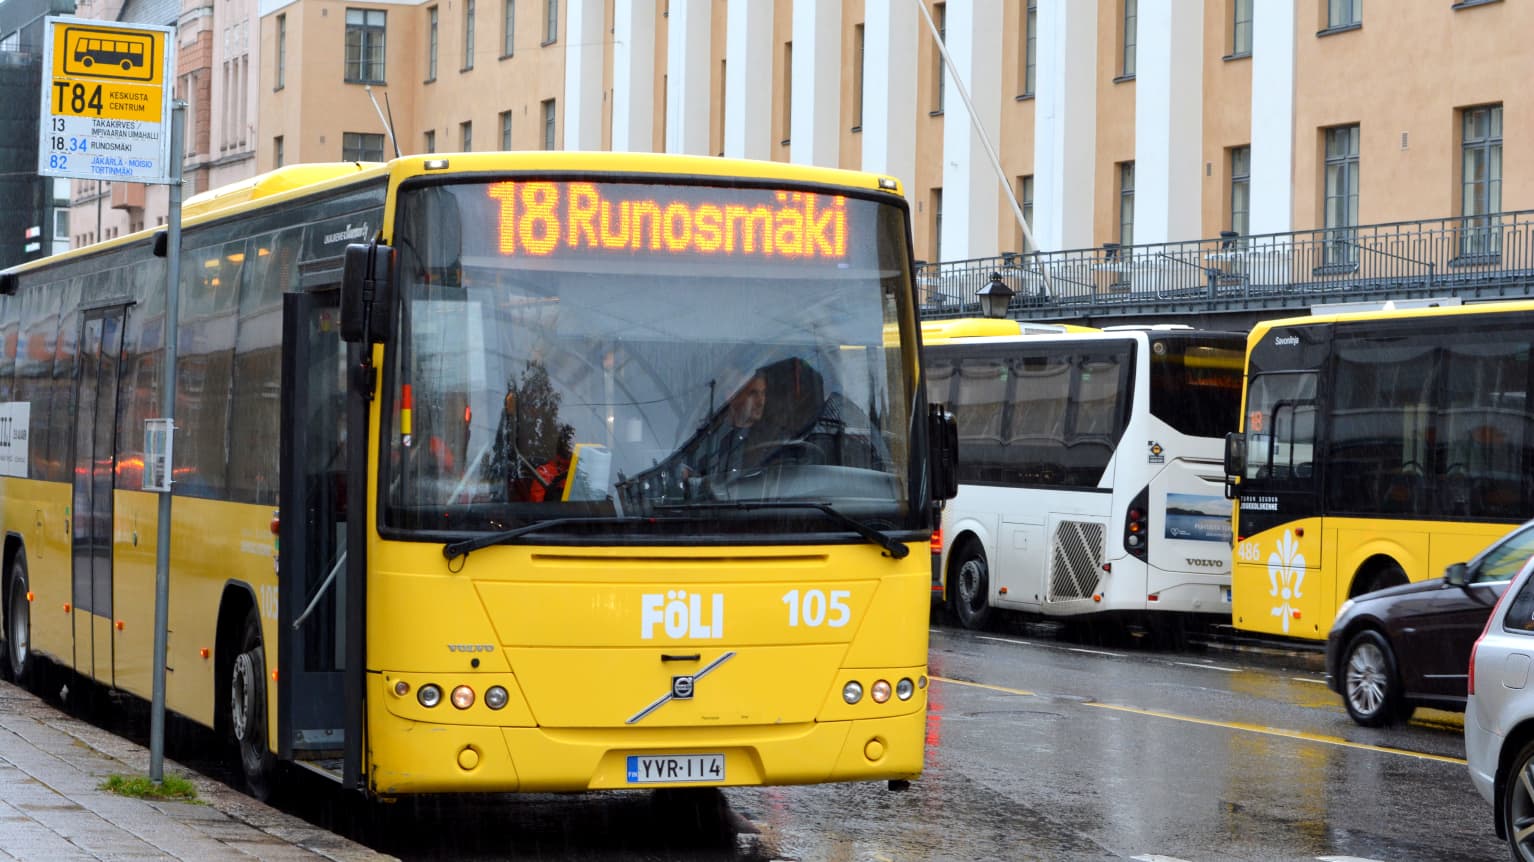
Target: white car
{"points": [[1499, 715]]}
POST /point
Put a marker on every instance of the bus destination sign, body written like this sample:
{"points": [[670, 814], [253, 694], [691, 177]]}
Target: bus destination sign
{"points": [[106, 101]]}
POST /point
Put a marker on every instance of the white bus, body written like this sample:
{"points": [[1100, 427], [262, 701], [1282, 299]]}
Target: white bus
{"points": [[1090, 475]]}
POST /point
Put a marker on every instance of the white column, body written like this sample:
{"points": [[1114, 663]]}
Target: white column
{"points": [[1169, 126], [634, 76], [971, 194], [687, 75], [1273, 46], [748, 80], [889, 90], [584, 47], [1065, 134], [817, 83]]}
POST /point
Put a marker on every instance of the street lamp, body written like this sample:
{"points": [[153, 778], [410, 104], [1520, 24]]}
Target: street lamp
{"points": [[994, 297]]}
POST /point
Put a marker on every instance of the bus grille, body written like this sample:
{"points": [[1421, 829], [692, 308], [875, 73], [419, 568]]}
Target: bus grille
{"points": [[1076, 561]]}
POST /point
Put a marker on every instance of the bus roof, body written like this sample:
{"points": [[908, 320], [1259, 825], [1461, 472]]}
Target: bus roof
{"points": [[1389, 312], [300, 179], [936, 331]]}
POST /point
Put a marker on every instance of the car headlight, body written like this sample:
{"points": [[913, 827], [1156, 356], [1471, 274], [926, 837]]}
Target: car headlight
{"points": [[1346, 606]]}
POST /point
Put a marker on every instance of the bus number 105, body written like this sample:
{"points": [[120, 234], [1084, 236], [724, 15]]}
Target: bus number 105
{"points": [[811, 608]]}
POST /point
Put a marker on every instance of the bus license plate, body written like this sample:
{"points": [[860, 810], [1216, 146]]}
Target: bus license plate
{"points": [[662, 769]]}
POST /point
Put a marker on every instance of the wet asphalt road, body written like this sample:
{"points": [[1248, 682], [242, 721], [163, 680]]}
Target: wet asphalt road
{"points": [[1039, 748]]}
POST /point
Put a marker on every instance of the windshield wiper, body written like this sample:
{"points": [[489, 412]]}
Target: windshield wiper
{"points": [[462, 548], [878, 537]]}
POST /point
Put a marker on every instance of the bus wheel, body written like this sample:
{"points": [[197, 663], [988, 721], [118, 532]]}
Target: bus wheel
{"points": [[18, 623], [971, 588], [247, 710], [1370, 688]]}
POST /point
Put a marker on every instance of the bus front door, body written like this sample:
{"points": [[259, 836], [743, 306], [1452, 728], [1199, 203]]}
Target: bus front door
{"points": [[318, 708], [95, 436]]}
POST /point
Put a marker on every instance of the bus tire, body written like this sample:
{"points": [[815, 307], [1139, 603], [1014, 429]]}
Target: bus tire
{"points": [[1371, 687], [970, 591], [18, 623], [247, 710]]}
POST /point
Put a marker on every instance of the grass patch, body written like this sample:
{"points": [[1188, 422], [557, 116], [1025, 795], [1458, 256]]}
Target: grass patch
{"points": [[140, 787]]}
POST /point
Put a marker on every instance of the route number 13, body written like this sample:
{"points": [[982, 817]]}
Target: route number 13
{"points": [[811, 608]]}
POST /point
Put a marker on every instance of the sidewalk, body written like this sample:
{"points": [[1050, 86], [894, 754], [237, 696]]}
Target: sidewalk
{"points": [[53, 810]]}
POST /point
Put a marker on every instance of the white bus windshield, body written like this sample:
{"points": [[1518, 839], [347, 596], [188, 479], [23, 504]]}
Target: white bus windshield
{"points": [[590, 349]]}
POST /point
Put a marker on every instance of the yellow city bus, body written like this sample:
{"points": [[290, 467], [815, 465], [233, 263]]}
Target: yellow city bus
{"points": [[1376, 448], [468, 398]]}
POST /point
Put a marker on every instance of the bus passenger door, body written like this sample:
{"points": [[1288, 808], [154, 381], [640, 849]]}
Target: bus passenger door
{"points": [[318, 718], [95, 437]]}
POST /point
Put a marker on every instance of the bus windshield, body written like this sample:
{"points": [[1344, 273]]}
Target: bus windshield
{"points": [[572, 350]]}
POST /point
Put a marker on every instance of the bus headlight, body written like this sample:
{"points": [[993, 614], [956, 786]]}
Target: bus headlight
{"points": [[463, 697], [905, 688], [495, 697], [429, 695], [881, 691], [852, 692]]}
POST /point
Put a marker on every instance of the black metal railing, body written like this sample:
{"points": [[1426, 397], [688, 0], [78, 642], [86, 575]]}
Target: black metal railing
{"points": [[1471, 256]]}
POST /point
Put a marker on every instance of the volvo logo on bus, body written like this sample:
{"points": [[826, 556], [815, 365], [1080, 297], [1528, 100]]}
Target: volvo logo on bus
{"points": [[470, 648], [681, 687], [1208, 564]]}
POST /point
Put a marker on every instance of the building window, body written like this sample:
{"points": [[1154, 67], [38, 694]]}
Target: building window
{"points": [[939, 70], [282, 52], [505, 130], [857, 77], [433, 31], [548, 124], [551, 21], [1344, 13], [365, 46], [468, 35], [1030, 48], [1241, 190], [1341, 195], [466, 136], [278, 155], [1130, 37], [937, 225], [508, 27], [430, 142], [1481, 180], [362, 147], [1126, 203], [1240, 28], [1025, 200]]}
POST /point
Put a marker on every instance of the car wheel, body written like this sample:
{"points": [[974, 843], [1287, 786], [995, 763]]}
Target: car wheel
{"points": [[18, 623], [971, 588], [247, 709], [1371, 689], [1518, 805]]}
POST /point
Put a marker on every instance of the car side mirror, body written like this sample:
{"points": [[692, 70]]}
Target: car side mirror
{"points": [[1456, 575]]}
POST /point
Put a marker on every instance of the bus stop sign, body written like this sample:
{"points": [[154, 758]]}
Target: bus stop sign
{"points": [[106, 101]]}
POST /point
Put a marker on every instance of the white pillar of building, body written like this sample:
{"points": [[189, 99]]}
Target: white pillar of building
{"points": [[1272, 185], [816, 108], [585, 45], [1169, 125], [688, 66], [634, 76], [748, 80], [889, 90], [1065, 130], [971, 188]]}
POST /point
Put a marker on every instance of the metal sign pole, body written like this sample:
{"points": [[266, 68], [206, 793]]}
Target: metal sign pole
{"points": [[168, 393]]}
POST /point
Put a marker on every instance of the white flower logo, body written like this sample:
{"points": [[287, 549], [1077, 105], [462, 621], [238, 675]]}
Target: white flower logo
{"points": [[1286, 571]]}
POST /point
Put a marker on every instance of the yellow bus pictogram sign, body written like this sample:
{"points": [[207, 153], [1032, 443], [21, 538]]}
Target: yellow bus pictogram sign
{"points": [[105, 101]]}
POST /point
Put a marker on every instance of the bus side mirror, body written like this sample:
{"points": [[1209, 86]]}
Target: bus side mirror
{"points": [[943, 441], [366, 290], [1235, 461]]}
